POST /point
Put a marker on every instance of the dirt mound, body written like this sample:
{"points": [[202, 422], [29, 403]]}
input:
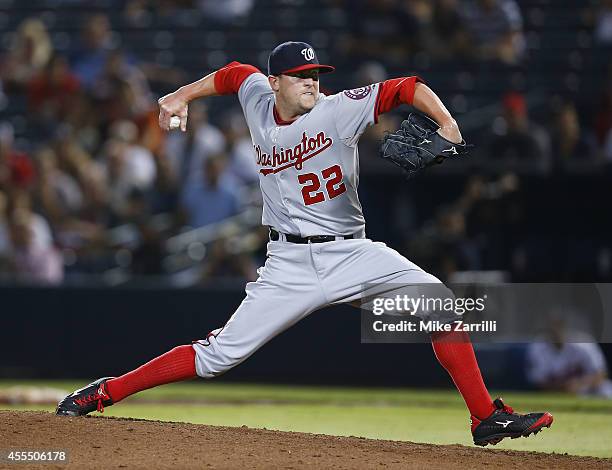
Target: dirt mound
{"points": [[98, 442]]}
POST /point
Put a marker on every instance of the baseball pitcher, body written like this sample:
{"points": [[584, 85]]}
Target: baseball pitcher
{"points": [[305, 148]]}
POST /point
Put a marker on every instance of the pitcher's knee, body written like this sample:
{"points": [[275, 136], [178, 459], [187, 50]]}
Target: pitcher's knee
{"points": [[212, 359]]}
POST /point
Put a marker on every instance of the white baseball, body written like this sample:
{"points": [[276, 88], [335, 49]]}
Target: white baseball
{"points": [[175, 122]]}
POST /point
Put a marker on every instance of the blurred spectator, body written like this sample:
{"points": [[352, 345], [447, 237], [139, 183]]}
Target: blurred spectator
{"points": [[228, 11], [29, 54], [516, 140], [30, 261], [449, 38], [89, 58], [473, 232], [16, 167], [72, 158], [59, 193], [494, 215], [223, 260], [172, 13], [136, 13], [121, 88], [455, 251], [135, 207], [51, 92], [187, 151], [561, 364], [40, 235], [128, 165], [438, 31], [607, 148], [603, 23], [569, 140], [62, 197], [83, 123], [603, 118], [370, 72], [209, 200], [96, 213], [147, 257], [381, 28], [242, 157], [4, 231], [139, 165], [369, 162], [421, 12], [567, 132], [496, 27], [3, 97], [163, 195]]}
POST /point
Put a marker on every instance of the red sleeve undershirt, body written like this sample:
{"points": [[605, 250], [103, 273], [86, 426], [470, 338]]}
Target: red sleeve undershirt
{"points": [[229, 78], [392, 93]]}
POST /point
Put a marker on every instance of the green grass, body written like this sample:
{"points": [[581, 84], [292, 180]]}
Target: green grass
{"points": [[582, 426]]}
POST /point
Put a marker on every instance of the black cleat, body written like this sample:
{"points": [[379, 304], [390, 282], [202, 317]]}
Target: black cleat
{"points": [[504, 422], [90, 398]]}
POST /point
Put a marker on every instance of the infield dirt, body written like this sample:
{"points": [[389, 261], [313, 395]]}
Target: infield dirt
{"points": [[99, 442]]}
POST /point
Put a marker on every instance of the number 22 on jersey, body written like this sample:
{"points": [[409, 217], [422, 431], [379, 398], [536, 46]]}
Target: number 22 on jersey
{"points": [[334, 185]]}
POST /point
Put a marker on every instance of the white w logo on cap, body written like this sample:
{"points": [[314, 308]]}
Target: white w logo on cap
{"points": [[308, 53]]}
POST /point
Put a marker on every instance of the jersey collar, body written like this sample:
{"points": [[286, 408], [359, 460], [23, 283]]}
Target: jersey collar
{"points": [[279, 121]]}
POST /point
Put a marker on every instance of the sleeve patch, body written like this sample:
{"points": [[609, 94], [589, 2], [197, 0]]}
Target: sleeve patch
{"points": [[359, 93]]}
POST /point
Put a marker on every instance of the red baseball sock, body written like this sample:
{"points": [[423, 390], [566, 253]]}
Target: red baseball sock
{"points": [[173, 366], [454, 351]]}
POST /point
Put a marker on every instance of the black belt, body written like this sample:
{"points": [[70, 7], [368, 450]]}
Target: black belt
{"points": [[275, 236]]}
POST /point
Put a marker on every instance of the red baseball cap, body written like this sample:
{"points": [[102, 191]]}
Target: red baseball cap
{"points": [[515, 102]]}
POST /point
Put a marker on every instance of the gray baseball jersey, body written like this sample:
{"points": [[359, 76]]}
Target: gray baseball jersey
{"points": [[309, 172]]}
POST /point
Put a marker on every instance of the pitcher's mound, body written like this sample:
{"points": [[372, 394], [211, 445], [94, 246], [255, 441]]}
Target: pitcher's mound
{"points": [[98, 442]]}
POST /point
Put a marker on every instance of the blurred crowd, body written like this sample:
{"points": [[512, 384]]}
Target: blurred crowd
{"points": [[563, 361], [89, 184]]}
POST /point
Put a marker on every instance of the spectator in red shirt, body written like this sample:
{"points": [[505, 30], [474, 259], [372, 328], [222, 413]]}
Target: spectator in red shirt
{"points": [[51, 92], [16, 167]]}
